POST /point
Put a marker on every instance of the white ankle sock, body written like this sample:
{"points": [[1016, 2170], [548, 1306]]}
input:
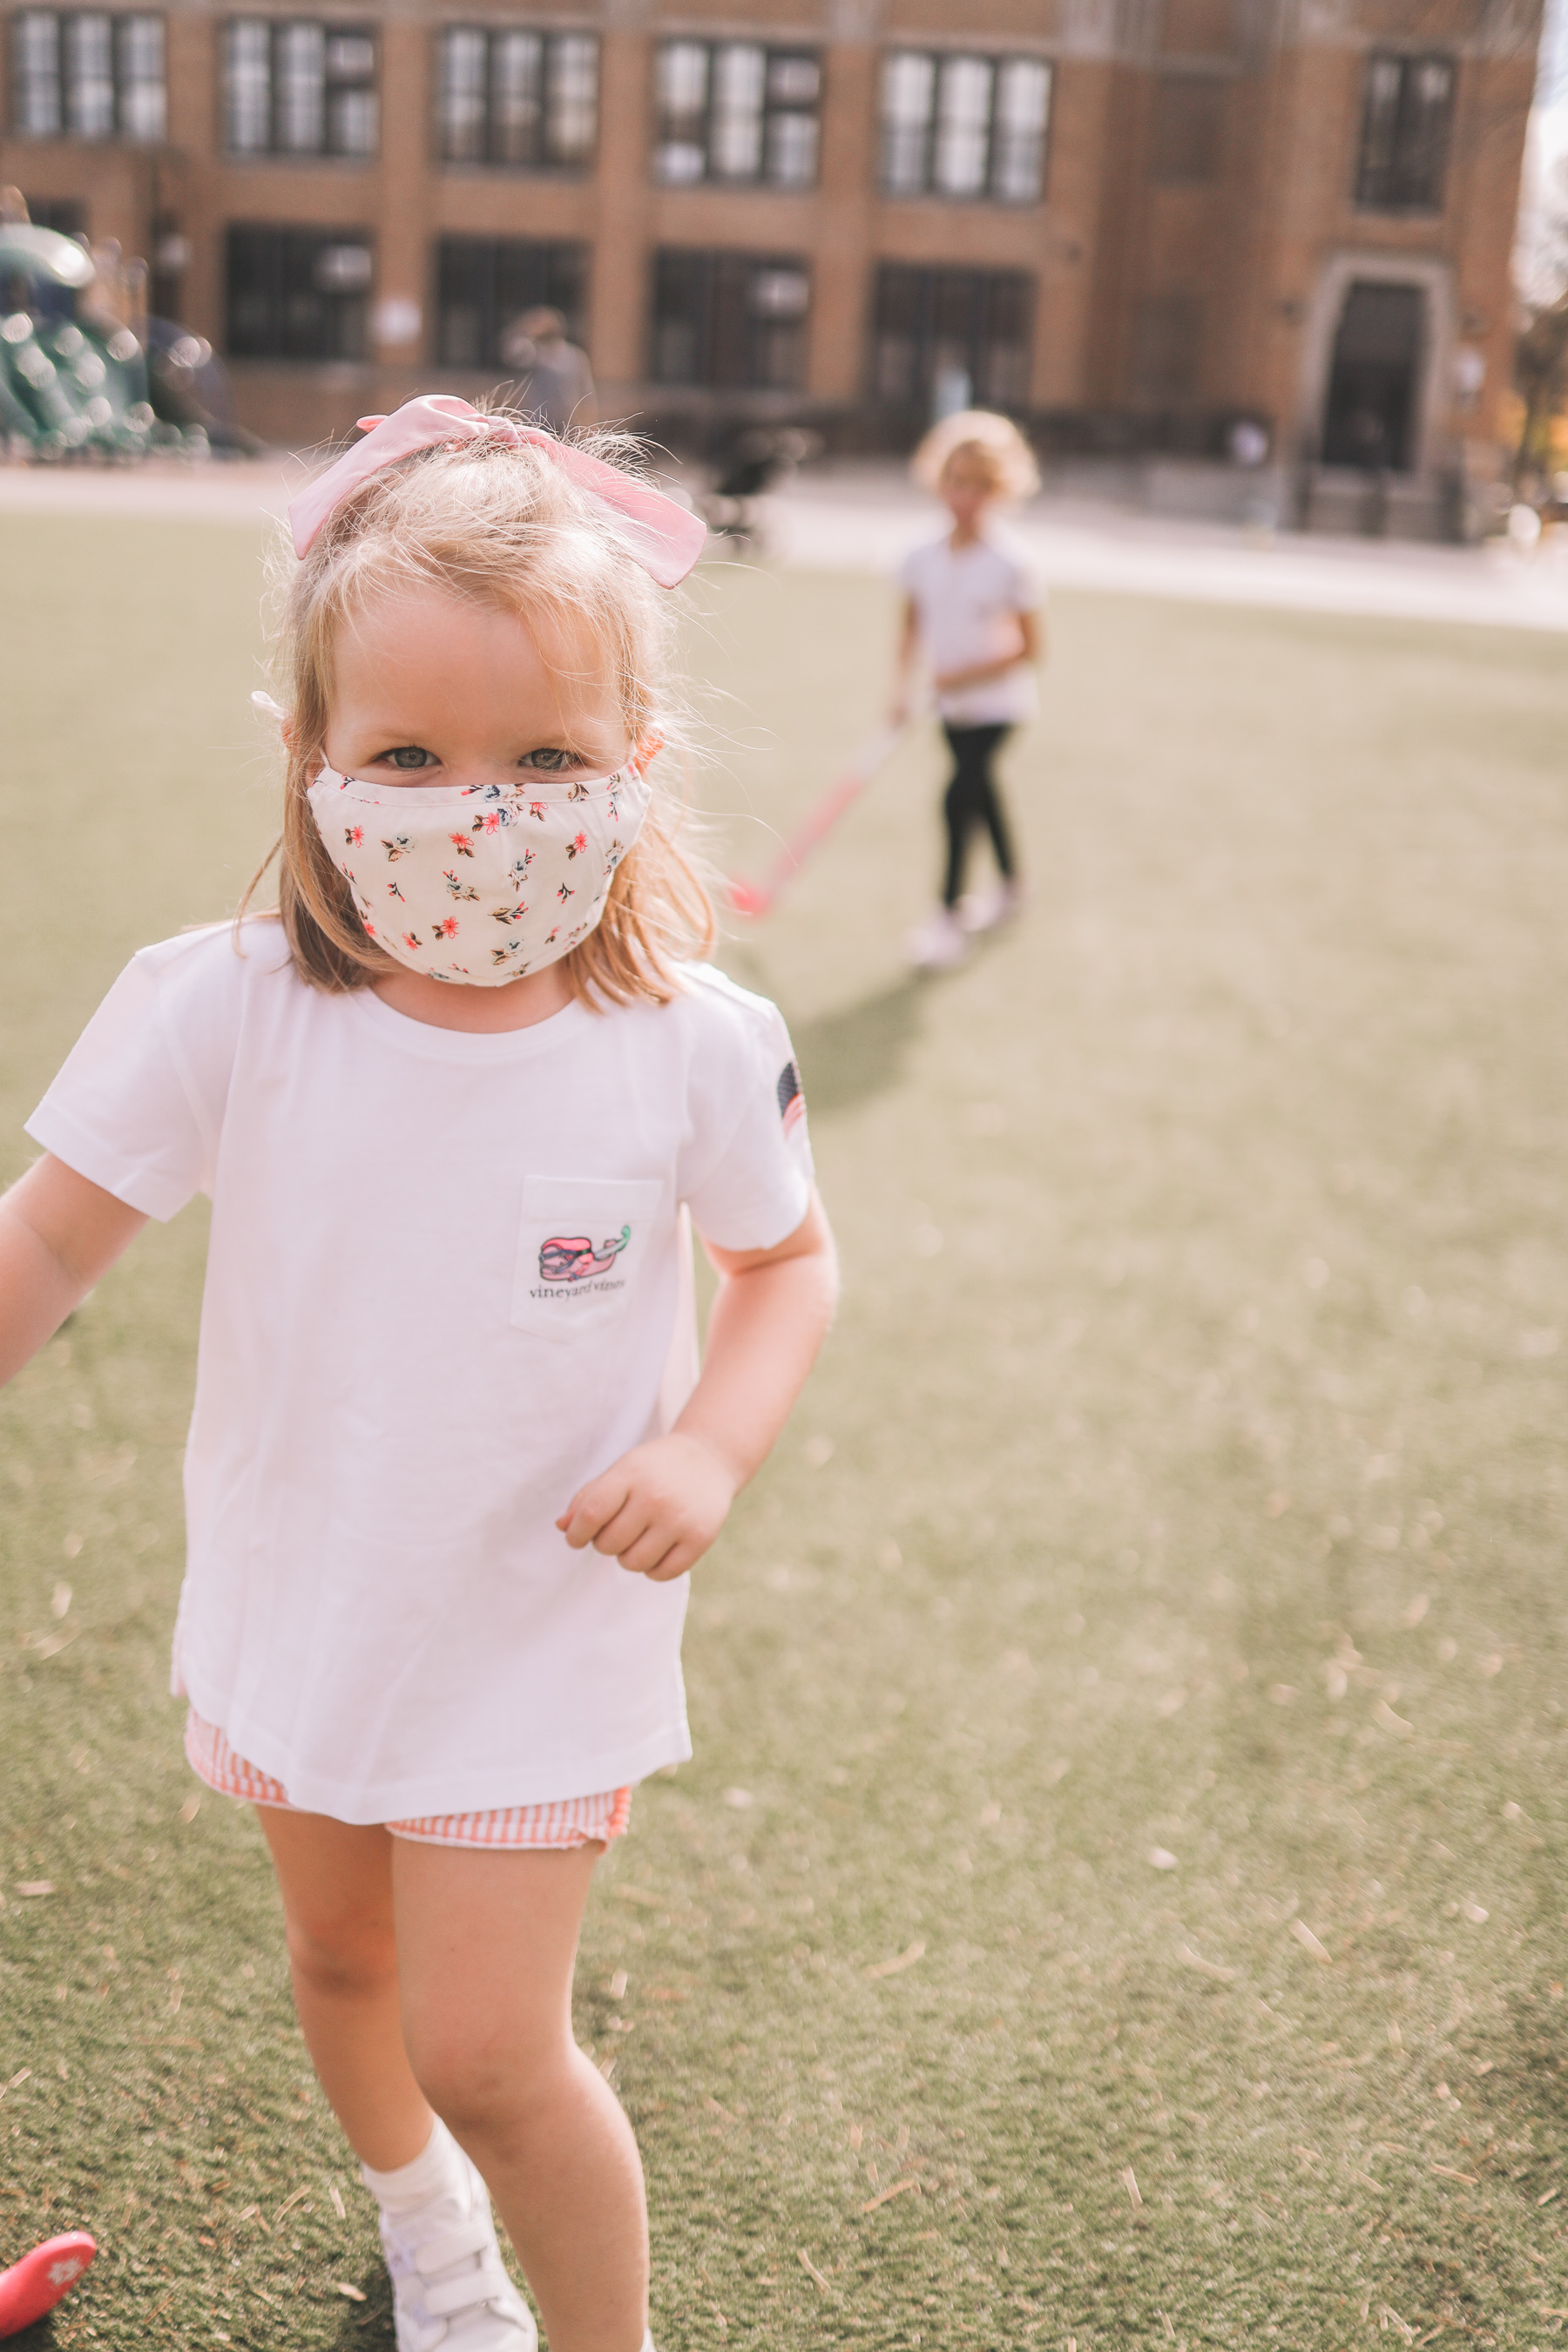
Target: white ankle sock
{"points": [[415, 2184]]}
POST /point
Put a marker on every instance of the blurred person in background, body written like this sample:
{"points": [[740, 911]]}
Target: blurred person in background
{"points": [[972, 611], [555, 382]]}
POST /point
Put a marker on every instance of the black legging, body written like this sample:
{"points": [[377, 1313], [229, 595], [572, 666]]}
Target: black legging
{"points": [[972, 799]]}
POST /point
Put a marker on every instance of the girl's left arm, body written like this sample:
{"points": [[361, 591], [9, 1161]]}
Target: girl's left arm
{"points": [[657, 1510]]}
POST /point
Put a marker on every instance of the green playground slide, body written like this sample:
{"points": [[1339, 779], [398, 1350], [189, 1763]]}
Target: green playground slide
{"points": [[73, 380]]}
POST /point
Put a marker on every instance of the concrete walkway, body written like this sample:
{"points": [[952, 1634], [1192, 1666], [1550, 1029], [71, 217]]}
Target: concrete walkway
{"points": [[866, 518], [863, 518]]}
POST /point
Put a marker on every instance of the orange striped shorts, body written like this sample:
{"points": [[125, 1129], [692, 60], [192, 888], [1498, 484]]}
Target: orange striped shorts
{"points": [[570, 1821]]}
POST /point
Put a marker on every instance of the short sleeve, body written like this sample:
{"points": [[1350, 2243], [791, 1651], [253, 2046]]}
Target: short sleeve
{"points": [[1026, 592], [129, 1109], [747, 1171]]}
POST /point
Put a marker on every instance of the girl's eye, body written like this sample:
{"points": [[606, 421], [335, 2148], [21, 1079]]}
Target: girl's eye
{"points": [[407, 755], [550, 760]]}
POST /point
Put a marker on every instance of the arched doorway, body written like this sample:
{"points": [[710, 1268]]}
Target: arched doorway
{"points": [[1372, 414]]}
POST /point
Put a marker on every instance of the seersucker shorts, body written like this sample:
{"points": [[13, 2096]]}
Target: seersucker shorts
{"points": [[570, 1821]]}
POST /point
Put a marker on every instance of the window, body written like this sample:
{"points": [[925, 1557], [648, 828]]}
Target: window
{"points": [[1405, 121], [735, 322], [734, 110], [483, 285], [964, 126], [1189, 125], [89, 76], [529, 99], [297, 293], [296, 86], [950, 339]]}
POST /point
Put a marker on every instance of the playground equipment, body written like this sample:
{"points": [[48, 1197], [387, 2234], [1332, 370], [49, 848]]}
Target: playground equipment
{"points": [[72, 377], [77, 382]]}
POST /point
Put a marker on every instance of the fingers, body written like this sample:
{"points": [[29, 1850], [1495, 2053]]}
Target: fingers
{"points": [[641, 1531], [592, 1509], [656, 1511], [676, 1562], [632, 1537]]}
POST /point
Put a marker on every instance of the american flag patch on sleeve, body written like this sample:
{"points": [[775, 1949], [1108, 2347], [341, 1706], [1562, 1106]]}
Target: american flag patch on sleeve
{"points": [[792, 1102]]}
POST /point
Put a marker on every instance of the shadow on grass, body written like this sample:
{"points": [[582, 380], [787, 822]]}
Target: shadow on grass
{"points": [[846, 1057], [1527, 2089], [369, 2327]]}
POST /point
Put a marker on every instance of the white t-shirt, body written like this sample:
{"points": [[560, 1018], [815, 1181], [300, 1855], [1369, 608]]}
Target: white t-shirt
{"points": [[967, 600], [448, 1281]]}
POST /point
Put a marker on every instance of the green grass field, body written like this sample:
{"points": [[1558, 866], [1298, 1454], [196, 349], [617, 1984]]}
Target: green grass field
{"points": [[1118, 1898]]}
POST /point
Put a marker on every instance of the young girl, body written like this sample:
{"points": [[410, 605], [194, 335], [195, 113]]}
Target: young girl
{"points": [[451, 1459], [971, 609]]}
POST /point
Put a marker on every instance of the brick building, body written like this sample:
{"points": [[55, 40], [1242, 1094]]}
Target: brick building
{"points": [[1137, 222]]}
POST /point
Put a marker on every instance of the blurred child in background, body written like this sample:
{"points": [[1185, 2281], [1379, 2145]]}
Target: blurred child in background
{"points": [[971, 613]]}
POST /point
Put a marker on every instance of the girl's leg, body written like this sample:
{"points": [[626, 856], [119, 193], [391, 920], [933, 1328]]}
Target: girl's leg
{"points": [[486, 1943], [988, 800], [336, 1884], [959, 810]]}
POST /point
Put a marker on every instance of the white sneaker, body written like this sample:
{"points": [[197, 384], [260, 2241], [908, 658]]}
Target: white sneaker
{"points": [[987, 910], [448, 2281], [939, 943]]}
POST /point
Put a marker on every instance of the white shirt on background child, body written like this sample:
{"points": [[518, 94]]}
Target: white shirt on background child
{"points": [[448, 1281], [967, 600]]}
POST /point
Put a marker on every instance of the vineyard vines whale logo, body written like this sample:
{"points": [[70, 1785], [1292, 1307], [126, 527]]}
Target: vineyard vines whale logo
{"points": [[567, 1258]]}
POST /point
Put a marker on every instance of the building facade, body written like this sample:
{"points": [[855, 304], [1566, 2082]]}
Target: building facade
{"points": [[1138, 224]]}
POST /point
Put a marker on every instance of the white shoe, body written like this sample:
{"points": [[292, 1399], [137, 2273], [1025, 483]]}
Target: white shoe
{"points": [[449, 2283], [987, 910], [939, 943]]}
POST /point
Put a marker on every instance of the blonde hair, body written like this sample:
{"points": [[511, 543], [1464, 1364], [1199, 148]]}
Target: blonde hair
{"points": [[989, 441], [502, 527]]}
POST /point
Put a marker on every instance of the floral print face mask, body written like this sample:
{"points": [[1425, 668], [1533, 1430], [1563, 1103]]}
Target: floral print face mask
{"points": [[478, 884]]}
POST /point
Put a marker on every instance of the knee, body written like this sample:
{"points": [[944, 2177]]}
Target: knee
{"points": [[482, 2080], [340, 1954]]}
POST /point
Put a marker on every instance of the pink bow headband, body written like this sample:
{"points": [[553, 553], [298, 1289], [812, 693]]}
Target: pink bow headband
{"points": [[663, 538]]}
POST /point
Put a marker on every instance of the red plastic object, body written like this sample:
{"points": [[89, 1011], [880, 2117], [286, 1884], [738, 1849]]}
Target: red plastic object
{"points": [[756, 899], [37, 2282]]}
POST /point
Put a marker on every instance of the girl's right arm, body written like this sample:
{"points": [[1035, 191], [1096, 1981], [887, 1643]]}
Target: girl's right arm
{"points": [[58, 1235]]}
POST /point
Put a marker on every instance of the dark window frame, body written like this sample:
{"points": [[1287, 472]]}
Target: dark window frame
{"points": [[922, 186], [306, 319], [339, 87], [922, 291], [500, 145], [774, 109], [123, 80], [742, 343], [1403, 148], [559, 261]]}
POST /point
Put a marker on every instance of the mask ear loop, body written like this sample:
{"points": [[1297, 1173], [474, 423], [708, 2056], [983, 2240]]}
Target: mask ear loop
{"points": [[271, 709]]}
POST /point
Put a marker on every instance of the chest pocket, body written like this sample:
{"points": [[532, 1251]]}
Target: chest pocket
{"points": [[580, 1251]]}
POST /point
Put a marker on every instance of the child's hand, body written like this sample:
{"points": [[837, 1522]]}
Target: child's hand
{"points": [[657, 1510]]}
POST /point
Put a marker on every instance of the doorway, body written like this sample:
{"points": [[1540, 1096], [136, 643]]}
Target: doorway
{"points": [[1375, 376]]}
